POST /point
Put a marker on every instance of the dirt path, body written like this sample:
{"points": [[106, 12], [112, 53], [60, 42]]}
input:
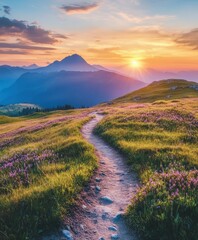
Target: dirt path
{"points": [[115, 182], [102, 203]]}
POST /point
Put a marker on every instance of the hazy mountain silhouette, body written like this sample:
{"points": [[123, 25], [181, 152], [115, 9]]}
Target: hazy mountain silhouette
{"points": [[64, 87], [71, 63], [150, 75], [8, 75], [32, 66]]}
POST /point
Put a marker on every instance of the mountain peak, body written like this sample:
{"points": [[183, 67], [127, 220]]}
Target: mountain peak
{"points": [[70, 63], [75, 58]]}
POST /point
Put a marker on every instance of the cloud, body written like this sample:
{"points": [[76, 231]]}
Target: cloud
{"points": [[22, 45], [33, 33], [6, 9], [135, 19], [189, 39], [106, 52], [79, 8], [15, 52]]}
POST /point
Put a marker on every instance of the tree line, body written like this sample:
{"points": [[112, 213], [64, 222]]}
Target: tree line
{"points": [[31, 110]]}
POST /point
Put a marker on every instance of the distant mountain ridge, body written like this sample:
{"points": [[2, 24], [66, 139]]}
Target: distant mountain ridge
{"points": [[32, 66], [150, 75], [71, 63], [9, 74], [64, 87]]}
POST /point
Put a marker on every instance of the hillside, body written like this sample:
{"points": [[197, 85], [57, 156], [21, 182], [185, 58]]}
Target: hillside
{"points": [[73, 88], [162, 90], [159, 143]]}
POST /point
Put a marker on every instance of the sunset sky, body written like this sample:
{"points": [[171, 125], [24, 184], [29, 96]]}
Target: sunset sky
{"points": [[160, 34]]}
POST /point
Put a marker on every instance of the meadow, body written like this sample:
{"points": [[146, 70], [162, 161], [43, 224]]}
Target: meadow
{"points": [[159, 141], [44, 164]]}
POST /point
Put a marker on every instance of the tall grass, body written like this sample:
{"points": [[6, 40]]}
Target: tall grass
{"points": [[42, 170]]}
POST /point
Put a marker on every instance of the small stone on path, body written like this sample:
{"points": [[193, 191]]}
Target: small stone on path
{"points": [[98, 188], [98, 179], [112, 228], [82, 227], [67, 234], [114, 236], [106, 200], [102, 174], [105, 216]]}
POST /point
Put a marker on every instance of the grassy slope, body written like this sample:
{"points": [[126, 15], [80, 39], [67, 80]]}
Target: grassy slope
{"points": [[156, 138], [162, 90], [30, 207]]}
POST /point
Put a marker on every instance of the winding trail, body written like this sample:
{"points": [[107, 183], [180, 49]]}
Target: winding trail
{"points": [[116, 182], [99, 214]]}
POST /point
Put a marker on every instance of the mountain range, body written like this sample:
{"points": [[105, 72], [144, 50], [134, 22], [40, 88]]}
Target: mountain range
{"points": [[149, 75], [69, 81]]}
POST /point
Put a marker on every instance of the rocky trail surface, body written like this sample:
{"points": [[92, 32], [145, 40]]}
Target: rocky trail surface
{"points": [[99, 215]]}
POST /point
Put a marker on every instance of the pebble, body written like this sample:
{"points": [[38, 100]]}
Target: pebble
{"points": [[67, 234], [68, 228], [102, 174], [114, 236], [98, 188], [118, 217], [105, 216], [106, 200], [82, 227], [112, 228], [98, 179]]}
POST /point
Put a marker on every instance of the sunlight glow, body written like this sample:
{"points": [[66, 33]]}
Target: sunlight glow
{"points": [[136, 64]]}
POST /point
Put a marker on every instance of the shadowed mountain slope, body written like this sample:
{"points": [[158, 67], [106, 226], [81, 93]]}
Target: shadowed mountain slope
{"points": [[74, 88]]}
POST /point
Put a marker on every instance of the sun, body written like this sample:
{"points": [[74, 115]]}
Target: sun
{"points": [[135, 63]]}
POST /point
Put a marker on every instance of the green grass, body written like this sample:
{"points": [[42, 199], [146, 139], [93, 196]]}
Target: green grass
{"points": [[162, 90], [5, 119], [28, 208], [159, 139]]}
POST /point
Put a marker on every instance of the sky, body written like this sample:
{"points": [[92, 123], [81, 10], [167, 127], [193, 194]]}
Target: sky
{"points": [[158, 34]]}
